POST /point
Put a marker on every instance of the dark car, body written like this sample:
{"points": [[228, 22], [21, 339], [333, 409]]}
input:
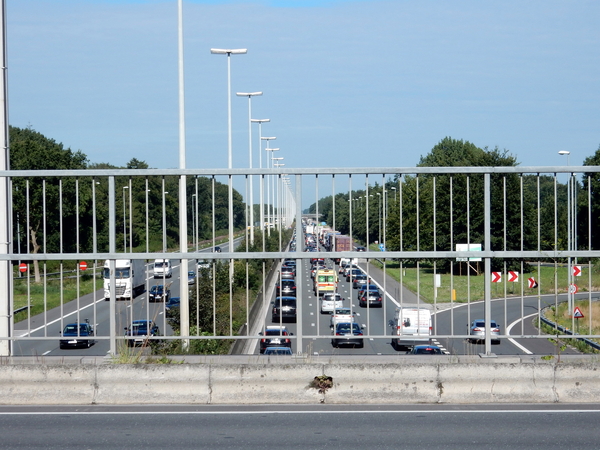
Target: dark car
{"points": [[359, 280], [77, 335], [425, 350], [217, 249], [347, 334], [158, 294], [284, 309], [369, 294], [351, 274], [172, 306], [140, 331], [275, 336], [286, 287]]}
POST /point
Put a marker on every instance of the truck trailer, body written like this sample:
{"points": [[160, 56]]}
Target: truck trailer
{"points": [[130, 276]]}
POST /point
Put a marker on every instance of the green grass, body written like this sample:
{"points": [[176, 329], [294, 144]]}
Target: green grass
{"points": [[471, 288], [53, 294]]}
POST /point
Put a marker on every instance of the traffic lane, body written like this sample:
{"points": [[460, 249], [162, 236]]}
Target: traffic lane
{"points": [[373, 318], [328, 426], [512, 309]]}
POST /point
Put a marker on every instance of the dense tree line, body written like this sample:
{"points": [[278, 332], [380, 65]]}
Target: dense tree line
{"points": [[435, 211], [56, 214]]}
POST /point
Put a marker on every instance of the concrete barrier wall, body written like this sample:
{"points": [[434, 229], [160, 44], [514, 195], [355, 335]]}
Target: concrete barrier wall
{"points": [[273, 382]]}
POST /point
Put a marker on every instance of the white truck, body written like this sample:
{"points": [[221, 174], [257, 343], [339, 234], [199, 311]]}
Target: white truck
{"points": [[411, 326], [162, 268], [130, 276]]}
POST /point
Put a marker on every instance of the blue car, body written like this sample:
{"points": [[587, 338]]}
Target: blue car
{"points": [[191, 277], [158, 294], [77, 335], [140, 331]]}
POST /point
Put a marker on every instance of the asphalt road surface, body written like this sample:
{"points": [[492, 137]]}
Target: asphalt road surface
{"points": [[437, 427]]}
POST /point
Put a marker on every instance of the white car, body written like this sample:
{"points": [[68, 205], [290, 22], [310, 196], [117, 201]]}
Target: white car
{"points": [[330, 302], [341, 315]]}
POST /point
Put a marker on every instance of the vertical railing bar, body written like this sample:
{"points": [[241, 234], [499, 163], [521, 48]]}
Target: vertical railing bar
{"points": [[60, 221], [522, 279], [77, 276], [469, 318], [451, 214], [435, 288]]}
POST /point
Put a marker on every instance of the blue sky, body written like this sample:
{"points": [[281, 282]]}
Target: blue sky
{"points": [[346, 83]]}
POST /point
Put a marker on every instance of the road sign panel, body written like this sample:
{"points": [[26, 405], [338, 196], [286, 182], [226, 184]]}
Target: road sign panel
{"points": [[23, 267], [573, 289], [577, 313], [82, 265], [576, 271], [532, 283], [496, 277], [513, 276]]}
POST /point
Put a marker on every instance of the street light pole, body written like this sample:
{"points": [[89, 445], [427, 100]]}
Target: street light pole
{"points": [[269, 183], [261, 202], [379, 207], [275, 186], [250, 95], [124, 222], [229, 52]]}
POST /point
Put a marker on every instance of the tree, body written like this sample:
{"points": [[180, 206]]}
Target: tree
{"points": [[52, 229], [459, 202]]}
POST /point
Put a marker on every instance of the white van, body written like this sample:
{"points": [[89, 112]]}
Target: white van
{"points": [[411, 326], [162, 268]]}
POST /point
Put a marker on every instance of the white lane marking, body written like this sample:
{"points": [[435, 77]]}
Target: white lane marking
{"points": [[59, 319], [515, 342], [435, 411], [45, 353]]}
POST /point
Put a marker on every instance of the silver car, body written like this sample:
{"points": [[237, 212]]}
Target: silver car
{"points": [[477, 330]]}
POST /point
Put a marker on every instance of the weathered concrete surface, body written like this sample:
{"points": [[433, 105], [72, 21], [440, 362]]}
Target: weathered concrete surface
{"points": [[264, 380]]}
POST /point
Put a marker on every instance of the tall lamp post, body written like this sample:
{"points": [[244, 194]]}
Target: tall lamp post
{"points": [[124, 222], [569, 235], [276, 188], [250, 95], [269, 200], [261, 194], [229, 52]]}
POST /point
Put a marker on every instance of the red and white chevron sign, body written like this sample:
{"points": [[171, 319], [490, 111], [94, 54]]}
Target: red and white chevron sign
{"points": [[576, 271], [496, 277], [532, 283], [513, 276]]}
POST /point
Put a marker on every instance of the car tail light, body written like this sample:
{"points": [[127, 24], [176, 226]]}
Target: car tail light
{"points": [[477, 329], [496, 330], [263, 340], [338, 334]]}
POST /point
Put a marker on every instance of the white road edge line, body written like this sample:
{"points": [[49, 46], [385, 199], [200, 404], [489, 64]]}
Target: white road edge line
{"points": [[508, 328]]}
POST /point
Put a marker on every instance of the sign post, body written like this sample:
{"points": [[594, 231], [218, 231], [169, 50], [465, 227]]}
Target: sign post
{"points": [[577, 314]]}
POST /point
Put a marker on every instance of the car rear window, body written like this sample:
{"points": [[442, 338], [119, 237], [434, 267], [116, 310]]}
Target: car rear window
{"points": [[275, 333]]}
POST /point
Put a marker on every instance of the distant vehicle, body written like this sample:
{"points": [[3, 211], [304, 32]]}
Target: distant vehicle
{"points": [[159, 294], [347, 334], [425, 350], [140, 331], [217, 249], [477, 330], [172, 306], [275, 336], [361, 249], [162, 268], [203, 264], [77, 335], [340, 315], [130, 278], [411, 326], [283, 309], [359, 280], [331, 301], [369, 294], [286, 287], [278, 351], [325, 281], [351, 274], [287, 272], [192, 277]]}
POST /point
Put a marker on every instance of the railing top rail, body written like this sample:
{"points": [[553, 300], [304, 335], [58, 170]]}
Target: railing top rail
{"points": [[303, 171]]}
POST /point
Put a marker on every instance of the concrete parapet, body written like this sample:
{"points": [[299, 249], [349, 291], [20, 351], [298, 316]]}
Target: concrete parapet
{"points": [[260, 380]]}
